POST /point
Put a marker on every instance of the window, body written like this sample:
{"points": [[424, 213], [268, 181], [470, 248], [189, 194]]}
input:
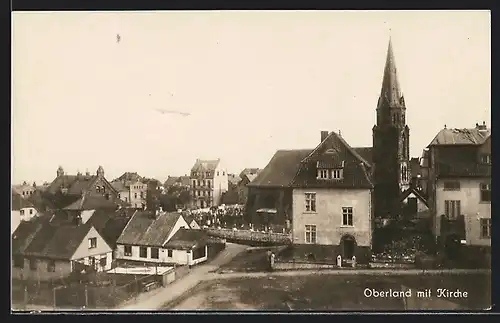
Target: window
{"points": [[217, 173], [199, 193], [51, 266], [143, 252], [486, 158], [128, 251], [155, 253], [135, 195], [169, 252], [18, 261], [204, 193], [310, 234], [119, 196], [451, 186], [33, 264], [310, 202], [208, 174], [103, 262], [208, 193], [194, 183], [223, 173], [142, 195], [98, 189], [323, 174], [103, 189], [31, 211], [336, 174], [451, 209], [485, 192], [92, 243], [204, 182], [347, 216], [21, 212], [485, 225]]}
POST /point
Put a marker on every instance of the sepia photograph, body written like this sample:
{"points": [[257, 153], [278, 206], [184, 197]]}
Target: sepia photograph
{"points": [[280, 161]]}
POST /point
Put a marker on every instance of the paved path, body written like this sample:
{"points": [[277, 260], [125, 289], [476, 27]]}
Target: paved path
{"points": [[156, 299]]}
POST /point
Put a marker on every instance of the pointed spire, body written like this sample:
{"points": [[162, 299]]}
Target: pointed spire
{"points": [[390, 84]]}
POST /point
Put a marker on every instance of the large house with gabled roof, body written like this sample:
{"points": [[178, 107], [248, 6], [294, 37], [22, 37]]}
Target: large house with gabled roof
{"points": [[269, 193], [132, 189], [66, 189], [332, 203], [456, 172]]}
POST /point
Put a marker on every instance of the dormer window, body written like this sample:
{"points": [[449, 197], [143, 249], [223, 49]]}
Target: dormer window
{"points": [[330, 173], [485, 159], [336, 173]]}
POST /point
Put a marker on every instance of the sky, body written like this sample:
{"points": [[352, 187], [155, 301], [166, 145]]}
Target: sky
{"points": [[253, 82]]}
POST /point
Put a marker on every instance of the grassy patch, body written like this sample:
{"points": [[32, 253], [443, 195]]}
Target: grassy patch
{"points": [[327, 292]]}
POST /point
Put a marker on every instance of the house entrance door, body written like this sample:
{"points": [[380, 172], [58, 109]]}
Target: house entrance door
{"points": [[348, 246]]}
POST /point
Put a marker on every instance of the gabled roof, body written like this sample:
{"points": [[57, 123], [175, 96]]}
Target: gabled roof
{"points": [[18, 202], [334, 152], [41, 238], [92, 202], [365, 152], [145, 230], [250, 177], [281, 169], [248, 171], [129, 177], [202, 165], [187, 239], [415, 192], [472, 136]]}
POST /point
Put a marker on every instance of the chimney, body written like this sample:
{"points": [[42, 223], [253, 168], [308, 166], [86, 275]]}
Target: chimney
{"points": [[481, 127], [324, 134]]}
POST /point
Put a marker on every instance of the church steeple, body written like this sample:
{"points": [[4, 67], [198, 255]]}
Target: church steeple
{"points": [[391, 91]]}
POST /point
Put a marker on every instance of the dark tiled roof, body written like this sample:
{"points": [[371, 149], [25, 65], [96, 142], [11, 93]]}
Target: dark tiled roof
{"points": [[110, 224], [182, 180], [119, 186], [248, 171], [171, 180], [366, 153], [145, 230], [205, 165], [460, 137], [334, 150], [92, 202], [18, 202], [281, 169], [57, 237], [463, 169], [24, 234], [186, 239], [57, 241], [129, 177]]}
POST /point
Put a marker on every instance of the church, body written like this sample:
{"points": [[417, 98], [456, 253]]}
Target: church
{"points": [[387, 163]]}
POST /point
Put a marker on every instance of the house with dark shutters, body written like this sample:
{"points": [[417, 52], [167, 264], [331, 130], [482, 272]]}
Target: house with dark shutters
{"points": [[457, 179], [332, 202]]}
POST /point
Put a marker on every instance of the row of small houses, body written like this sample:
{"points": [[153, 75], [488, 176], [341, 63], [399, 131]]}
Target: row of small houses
{"points": [[93, 234]]}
